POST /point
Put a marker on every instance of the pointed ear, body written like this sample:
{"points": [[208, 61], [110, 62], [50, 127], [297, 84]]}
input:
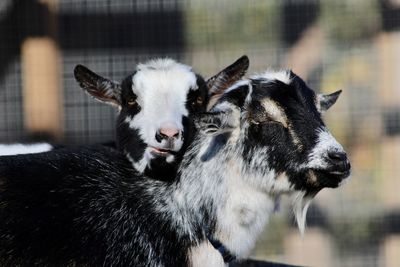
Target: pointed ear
{"points": [[98, 87], [326, 101], [228, 76], [218, 122]]}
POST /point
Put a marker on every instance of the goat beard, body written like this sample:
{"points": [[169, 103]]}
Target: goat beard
{"points": [[301, 203]]}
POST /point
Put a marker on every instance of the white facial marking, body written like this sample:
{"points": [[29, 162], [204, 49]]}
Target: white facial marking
{"points": [[161, 87], [17, 149], [275, 111], [326, 142]]}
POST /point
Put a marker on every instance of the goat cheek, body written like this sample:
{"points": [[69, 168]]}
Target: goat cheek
{"points": [[257, 136]]}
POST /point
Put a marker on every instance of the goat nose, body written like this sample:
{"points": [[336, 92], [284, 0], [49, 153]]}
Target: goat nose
{"points": [[170, 132], [335, 156], [167, 133], [339, 160]]}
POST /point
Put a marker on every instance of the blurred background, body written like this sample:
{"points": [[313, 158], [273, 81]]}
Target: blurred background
{"points": [[349, 45]]}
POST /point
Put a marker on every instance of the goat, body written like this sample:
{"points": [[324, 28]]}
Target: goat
{"points": [[155, 104], [88, 207]]}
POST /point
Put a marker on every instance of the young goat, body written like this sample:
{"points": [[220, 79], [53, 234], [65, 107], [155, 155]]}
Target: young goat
{"points": [[155, 104], [87, 207]]}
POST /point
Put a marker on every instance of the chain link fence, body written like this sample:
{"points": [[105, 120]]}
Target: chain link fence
{"points": [[349, 45]]}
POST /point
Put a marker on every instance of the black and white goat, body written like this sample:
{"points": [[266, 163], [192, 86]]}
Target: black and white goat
{"points": [[155, 104], [89, 207]]}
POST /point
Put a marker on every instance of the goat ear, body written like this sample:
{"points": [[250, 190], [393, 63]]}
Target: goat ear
{"points": [[215, 123], [98, 87], [326, 101], [218, 83]]}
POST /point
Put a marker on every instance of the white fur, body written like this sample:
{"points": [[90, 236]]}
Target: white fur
{"points": [[246, 211], [140, 165], [237, 85], [326, 142], [245, 192], [269, 75], [161, 87], [275, 111], [240, 194], [300, 207], [17, 149], [205, 255], [245, 200]]}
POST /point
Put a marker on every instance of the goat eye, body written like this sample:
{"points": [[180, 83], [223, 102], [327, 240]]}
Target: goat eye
{"points": [[264, 122], [132, 102], [199, 101]]}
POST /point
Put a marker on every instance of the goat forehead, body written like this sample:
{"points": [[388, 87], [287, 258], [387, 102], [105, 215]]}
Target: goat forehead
{"points": [[274, 110], [175, 81], [278, 93], [164, 90]]}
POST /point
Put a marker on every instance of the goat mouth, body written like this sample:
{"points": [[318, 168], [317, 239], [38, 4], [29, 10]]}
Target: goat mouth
{"points": [[161, 152], [331, 177]]}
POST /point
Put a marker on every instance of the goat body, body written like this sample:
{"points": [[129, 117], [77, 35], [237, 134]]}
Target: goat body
{"points": [[82, 206], [264, 137]]}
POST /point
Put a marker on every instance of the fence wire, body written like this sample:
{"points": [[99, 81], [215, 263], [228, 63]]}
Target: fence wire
{"points": [[349, 45]]}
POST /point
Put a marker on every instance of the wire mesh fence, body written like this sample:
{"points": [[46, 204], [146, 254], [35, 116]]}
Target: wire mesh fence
{"points": [[350, 45]]}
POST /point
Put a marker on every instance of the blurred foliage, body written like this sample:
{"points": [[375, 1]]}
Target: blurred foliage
{"points": [[349, 61], [240, 23], [350, 21], [354, 234], [271, 242]]}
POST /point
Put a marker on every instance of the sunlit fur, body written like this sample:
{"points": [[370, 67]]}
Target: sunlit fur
{"points": [[89, 207], [161, 87], [272, 75], [16, 149], [160, 96]]}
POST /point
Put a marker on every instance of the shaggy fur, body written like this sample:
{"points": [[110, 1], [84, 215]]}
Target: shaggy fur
{"points": [[159, 97], [89, 207]]}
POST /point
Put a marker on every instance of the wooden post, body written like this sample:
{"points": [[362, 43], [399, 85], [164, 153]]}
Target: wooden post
{"points": [[314, 249], [307, 53], [42, 90], [390, 251]]}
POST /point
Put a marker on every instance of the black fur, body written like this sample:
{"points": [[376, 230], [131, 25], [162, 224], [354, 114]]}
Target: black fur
{"points": [[121, 94], [80, 207], [89, 207], [297, 102]]}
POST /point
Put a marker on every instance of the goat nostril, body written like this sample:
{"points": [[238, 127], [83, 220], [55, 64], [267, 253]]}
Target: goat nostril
{"points": [[176, 135], [337, 156], [159, 136]]}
